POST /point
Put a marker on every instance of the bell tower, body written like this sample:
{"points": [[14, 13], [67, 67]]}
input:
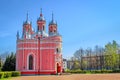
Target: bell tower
{"points": [[52, 27]]}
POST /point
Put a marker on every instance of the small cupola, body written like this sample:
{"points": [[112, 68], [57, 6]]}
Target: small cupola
{"points": [[52, 22], [27, 22], [41, 18], [52, 27]]}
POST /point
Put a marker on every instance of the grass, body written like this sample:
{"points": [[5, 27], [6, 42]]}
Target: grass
{"points": [[6, 78]]}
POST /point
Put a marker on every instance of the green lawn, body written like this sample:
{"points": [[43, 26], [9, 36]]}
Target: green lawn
{"points": [[7, 78]]}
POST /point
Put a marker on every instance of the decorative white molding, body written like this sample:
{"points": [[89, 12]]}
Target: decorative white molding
{"points": [[33, 61], [37, 48], [26, 42], [47, 70], [37, 70], [36, 42]]}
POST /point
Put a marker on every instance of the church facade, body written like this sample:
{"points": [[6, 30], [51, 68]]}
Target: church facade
{"points": [[38, 52]]}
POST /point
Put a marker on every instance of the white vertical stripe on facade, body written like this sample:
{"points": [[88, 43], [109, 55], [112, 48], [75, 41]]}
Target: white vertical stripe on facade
{"points": [[23, 58], [40, 57], [37, 56]]}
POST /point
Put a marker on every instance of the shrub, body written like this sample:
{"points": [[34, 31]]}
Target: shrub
{"points": [[106, 71], [7, 74], [92, 71], [15, 73], [96, 71], [1, 75]]}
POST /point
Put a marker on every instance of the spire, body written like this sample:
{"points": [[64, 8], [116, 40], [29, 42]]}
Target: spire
{"points": [[27, 21], [27, 17], [41, 18], [52, 16], [17, 34], [52, 21], [41, 12]]}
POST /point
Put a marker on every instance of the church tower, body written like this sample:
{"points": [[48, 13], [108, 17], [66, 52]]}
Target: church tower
{"points": [[41, 26], [52, 27], [27, 29]]}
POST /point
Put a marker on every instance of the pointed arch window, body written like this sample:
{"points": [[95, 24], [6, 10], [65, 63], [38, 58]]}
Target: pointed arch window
{"points": [[30, 62]]}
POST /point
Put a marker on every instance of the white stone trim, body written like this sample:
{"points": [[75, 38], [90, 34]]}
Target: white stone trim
{"points": [[40, 56], [26, 48], [23, 58], [33, 61], [50, 42], [47, 70], [17, 60], [35, 42], [37, 57], [27, 42], [37, 48], [36, 70], [29, 70]]}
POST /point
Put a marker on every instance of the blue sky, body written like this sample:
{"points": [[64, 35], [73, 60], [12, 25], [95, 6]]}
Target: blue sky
{"points": [[82, 23]]}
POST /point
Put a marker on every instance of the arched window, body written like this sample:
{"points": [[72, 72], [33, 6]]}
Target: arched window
{"points": [[57, 50], [43, 28], [30, 62]]}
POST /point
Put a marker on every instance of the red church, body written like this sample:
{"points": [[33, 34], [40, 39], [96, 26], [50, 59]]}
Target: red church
{"points": [[38, 52]]}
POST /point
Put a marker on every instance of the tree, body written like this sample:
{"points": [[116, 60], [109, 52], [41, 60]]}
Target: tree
{"points": [[1, 63], [76, 65], [88, 52], [79, 55], [99, 51], [10, 63], [111, 56]]}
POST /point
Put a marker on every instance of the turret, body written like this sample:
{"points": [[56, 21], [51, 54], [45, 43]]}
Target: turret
{"points": [[41, 22], [41, 26], [52, 27], [27, 29]]}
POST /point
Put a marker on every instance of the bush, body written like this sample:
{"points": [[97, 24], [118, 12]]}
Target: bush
{"points": [[95, 71], [15, 73], [1, 75], [106, 71], [7, 74], [92, 71]]}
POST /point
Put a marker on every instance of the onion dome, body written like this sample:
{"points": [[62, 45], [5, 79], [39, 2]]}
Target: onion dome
{"points": [[41, 18], [52, 22]]}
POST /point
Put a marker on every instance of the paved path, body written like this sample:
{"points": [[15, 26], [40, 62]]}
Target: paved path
{"points": [[71, 77]]}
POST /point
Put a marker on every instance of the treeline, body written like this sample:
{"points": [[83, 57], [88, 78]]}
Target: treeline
{"points": [[99, 58]]}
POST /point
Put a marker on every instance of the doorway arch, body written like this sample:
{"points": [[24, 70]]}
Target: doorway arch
{"points": [[30, 62], [58, 68]]}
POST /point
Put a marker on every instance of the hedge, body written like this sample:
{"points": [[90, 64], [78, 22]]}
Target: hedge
{"points": [[9, 74], [1, 75], [15, 73], [92, 71]]}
